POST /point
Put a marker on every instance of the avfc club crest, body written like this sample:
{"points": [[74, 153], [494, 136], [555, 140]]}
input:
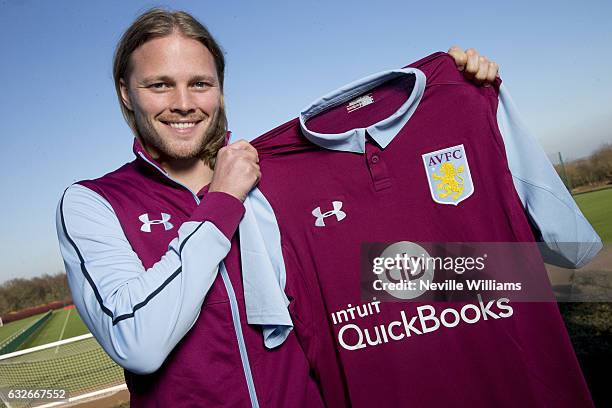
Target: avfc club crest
{"points": [[448, 175]]}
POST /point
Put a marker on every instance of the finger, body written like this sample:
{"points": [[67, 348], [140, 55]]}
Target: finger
{"points": [[459, 56], [252, 155], [257, 173], [483, 69], [238, 145], [222, 152], [493, 71], [242, 145], [471, 68], [248, 154]]}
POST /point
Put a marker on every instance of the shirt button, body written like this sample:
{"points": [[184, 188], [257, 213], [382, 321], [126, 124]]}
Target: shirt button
{"points": [[375, 159]]}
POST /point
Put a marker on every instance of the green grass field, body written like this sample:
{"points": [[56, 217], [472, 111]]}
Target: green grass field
{"points": [[11, 328], [597, 208], [63, 324], [78, 367]]}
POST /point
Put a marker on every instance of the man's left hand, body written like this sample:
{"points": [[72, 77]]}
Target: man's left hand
{"points": [[477, 68]]}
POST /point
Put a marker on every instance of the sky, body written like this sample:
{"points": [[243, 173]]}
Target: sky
{"points": [[62, 122]]}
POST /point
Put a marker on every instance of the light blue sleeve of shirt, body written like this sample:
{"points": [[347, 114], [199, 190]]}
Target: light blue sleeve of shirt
{"points": [[569, 239], [263, 269], [138, 316]]}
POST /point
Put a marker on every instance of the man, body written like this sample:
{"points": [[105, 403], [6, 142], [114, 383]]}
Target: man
{"points": [[143, 244]]}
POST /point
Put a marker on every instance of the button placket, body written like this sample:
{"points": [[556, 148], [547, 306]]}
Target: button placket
{"points": [[377, 167]]}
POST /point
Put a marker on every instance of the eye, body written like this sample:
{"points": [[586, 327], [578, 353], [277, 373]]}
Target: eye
{"points": [[159, 85], [201, 84]]}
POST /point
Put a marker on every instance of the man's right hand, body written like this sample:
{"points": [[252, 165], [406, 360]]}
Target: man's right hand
{"points": [[236, 170]]}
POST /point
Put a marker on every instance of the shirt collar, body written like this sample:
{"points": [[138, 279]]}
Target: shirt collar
{"points": [[383, 131]]}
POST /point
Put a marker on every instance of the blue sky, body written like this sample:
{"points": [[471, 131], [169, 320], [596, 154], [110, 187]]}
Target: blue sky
{"points": [[62, 122]]}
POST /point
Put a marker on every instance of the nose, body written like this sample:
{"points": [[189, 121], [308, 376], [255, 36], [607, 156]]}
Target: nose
{"points": [[182, 102]]}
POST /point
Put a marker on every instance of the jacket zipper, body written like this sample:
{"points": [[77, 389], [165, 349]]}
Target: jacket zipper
{"points": [[244, 357]]}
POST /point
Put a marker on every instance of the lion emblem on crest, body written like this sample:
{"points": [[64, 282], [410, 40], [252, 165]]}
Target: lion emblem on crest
{"points": [[450, 182]]}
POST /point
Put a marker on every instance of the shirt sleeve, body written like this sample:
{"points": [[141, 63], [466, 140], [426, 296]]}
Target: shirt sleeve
{"points": [[568, 238], [263, 270], [139, 315]]}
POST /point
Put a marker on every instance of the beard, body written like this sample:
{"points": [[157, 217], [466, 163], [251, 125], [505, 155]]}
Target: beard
{"points": [[204, 146]]}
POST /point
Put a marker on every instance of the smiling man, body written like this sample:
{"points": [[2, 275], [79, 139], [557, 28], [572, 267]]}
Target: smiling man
{"points": [[177, 125], [170, 84], [143, 245]]}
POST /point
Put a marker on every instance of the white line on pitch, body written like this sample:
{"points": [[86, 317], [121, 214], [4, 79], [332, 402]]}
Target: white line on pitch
{"points": [[63, 328]]}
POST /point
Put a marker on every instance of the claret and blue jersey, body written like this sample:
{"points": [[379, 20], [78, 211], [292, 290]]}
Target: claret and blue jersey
{"points": [[421, 155]]}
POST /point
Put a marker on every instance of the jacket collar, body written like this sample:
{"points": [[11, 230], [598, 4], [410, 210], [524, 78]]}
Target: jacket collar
{"points": [[143, 156]]}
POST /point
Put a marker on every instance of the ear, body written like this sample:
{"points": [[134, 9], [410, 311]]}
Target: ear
{"points": [[125, 94]]}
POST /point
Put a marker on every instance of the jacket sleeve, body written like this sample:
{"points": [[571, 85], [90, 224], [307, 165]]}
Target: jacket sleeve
{"points": [[568, 238], [139, 315]]}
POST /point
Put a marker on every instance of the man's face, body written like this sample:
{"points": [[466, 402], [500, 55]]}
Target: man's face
{"points": [[174, 92]]}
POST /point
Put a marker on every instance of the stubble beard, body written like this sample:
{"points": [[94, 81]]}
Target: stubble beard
{"points": [[165, 149]]}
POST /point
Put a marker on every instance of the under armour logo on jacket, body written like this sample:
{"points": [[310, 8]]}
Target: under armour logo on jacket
{"points": [[337, 211], [146, 223]]}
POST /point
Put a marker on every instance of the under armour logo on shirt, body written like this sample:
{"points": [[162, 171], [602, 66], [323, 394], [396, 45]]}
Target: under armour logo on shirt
{"points": [[146, 223], [337, 211]]}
